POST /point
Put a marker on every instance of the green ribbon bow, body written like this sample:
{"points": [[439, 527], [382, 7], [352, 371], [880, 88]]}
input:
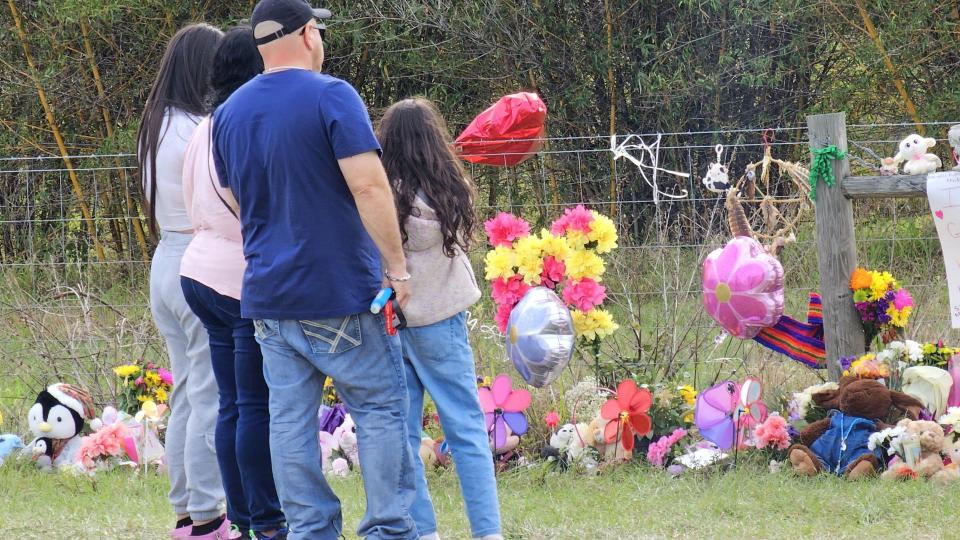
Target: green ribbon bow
{"points": [[821, 169]]}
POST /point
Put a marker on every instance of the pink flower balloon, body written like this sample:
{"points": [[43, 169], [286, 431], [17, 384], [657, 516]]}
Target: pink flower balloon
{"points": [[743, 287]]}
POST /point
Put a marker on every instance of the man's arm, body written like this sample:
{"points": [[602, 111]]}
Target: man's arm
{"points": [[368, 183]]}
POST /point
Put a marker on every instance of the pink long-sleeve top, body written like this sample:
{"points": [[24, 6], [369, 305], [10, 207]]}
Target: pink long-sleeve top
{"points": [[215, 255]]}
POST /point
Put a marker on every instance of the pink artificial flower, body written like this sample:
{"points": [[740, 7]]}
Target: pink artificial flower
{"points": [[657, 452], [505, 228], [584, 294], [503, 316], [553, 272], [508, 291], [165, 376], [151, 365], [773, 432], [139, 381], [577, 219], [902, 300], [552, 419]]}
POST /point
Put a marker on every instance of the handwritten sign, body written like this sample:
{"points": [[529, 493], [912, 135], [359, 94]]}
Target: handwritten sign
{"points": [[943, 192]]}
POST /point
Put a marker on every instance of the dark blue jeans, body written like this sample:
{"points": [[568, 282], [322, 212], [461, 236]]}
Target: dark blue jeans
{"points": [[243, 425]]}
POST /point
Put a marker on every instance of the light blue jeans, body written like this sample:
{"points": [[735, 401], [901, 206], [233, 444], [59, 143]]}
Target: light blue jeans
{"points": [[438, 359], [367, 368]]}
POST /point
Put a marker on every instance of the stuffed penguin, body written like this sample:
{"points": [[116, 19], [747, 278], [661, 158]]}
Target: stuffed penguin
{"points": [[56, 419]]}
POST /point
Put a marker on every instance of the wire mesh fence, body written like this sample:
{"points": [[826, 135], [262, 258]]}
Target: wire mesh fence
{"points": [[70, 314]]}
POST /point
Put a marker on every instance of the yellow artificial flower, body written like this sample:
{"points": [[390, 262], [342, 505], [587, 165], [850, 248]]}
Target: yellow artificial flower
{"points": [[603, 232], [127, 370], [688, 418], [143, 399], [577, 239], [529, 259], [689, 394], [929, 348], [328, 383], [161, 395], [584, 264], [899, 318], [596, 323], [500, 262], [152, 379], [554, 246], [882, 282]]}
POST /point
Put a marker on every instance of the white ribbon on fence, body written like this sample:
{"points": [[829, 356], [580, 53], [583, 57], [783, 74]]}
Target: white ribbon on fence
{"points": [[649, 152]]}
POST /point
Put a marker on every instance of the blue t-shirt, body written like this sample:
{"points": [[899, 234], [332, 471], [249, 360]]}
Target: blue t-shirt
{"points": [[276, 143]]}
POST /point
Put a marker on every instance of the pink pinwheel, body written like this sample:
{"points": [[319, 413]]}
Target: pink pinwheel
{"points": [[743, 287], [503, 407], [627, 414]]}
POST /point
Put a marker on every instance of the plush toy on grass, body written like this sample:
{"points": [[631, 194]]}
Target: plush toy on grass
{"points": [[9, 443], [56, 419], [839, 443], [932, 441], [913, 153]]}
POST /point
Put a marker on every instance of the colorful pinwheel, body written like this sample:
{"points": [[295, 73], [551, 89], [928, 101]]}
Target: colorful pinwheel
{"points": [[627, 414], [503, 407]]}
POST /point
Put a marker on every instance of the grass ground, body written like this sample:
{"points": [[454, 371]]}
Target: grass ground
{"points": [[628, 502]]}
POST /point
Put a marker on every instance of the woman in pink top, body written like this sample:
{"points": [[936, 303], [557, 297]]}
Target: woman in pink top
{"points": [[211, 275]]}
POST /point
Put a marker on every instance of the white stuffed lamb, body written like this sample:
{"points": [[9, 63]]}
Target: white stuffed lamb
{"points": [[913, 151]]}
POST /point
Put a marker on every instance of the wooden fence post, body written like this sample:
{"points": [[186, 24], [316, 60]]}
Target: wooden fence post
{"points": [[836, 247]]}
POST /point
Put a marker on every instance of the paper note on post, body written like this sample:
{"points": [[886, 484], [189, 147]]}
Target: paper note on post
{"points": [[943, 192]]}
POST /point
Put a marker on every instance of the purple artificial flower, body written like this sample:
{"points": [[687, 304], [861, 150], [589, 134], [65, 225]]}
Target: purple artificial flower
{"points": [[926, 415], [793, 432], [676, 469], [846, 362]]}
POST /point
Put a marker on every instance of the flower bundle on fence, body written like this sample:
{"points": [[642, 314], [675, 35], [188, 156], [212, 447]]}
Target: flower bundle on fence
{"points": [[884, 306], [140, 383], [566, 258]]}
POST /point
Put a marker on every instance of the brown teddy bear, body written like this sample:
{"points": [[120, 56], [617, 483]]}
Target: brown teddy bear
{"points": [[930, 437], [951, 471], [838, 443]]}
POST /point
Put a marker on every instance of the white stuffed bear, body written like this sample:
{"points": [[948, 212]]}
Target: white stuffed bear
{"points": [[570, 440], [913, 151], [346, 437]]}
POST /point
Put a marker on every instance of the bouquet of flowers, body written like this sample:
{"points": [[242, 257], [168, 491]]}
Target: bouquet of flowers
{"points": [[868, 366], [140, 383], [98, 449], [884, 306], [937, 354], [802, 410], [565, 259]]}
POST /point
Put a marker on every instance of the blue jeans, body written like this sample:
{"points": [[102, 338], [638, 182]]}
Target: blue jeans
{"points": [[438, 359], [367, 369], [243, 424]]}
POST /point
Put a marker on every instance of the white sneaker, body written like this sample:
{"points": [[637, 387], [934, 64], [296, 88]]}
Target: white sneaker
{"points": [[431, 536], [492, 537]]}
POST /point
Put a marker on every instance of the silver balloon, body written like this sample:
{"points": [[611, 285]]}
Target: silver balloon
{"points": [[540, 337]]}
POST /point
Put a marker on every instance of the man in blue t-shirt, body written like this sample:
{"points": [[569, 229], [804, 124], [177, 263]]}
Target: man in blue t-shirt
{"points": [[298, 152]]}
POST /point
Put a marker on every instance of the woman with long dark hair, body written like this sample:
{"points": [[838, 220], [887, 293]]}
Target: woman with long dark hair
{"points": [[176, 103], [434, 200], [211, 276]]}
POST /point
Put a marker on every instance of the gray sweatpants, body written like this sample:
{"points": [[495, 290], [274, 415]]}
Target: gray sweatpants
{"points": [[195, 486]]}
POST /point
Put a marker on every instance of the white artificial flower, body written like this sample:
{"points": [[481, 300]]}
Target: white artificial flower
{"points": [[914, 351], [886, 356], [951, 418]]}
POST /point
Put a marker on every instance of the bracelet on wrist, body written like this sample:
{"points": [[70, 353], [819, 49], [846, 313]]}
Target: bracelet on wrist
{"points": [[397, 279]]}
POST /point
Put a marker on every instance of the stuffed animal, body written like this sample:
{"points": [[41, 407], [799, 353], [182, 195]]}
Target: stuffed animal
{"points": [[888, 166], [951, 471], [839, 443], [913, 151], [9, 443], [717, 179], [954, 137], [570, 441], [427, 455], [346, 437], [609, 452], [929, 436], [56, 420]]}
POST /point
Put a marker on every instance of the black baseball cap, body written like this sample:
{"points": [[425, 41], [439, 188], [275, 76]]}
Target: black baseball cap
{"points": [[273, 19]]}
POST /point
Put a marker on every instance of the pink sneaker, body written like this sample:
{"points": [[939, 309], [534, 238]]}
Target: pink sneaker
{"points": [[222, 533], [181, 532]]}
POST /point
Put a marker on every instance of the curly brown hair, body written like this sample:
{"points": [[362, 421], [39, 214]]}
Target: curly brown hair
{"points": [[419, 158]]}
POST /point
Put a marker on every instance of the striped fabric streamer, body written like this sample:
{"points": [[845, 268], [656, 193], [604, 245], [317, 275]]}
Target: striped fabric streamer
{"points": [[799, 341]]}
